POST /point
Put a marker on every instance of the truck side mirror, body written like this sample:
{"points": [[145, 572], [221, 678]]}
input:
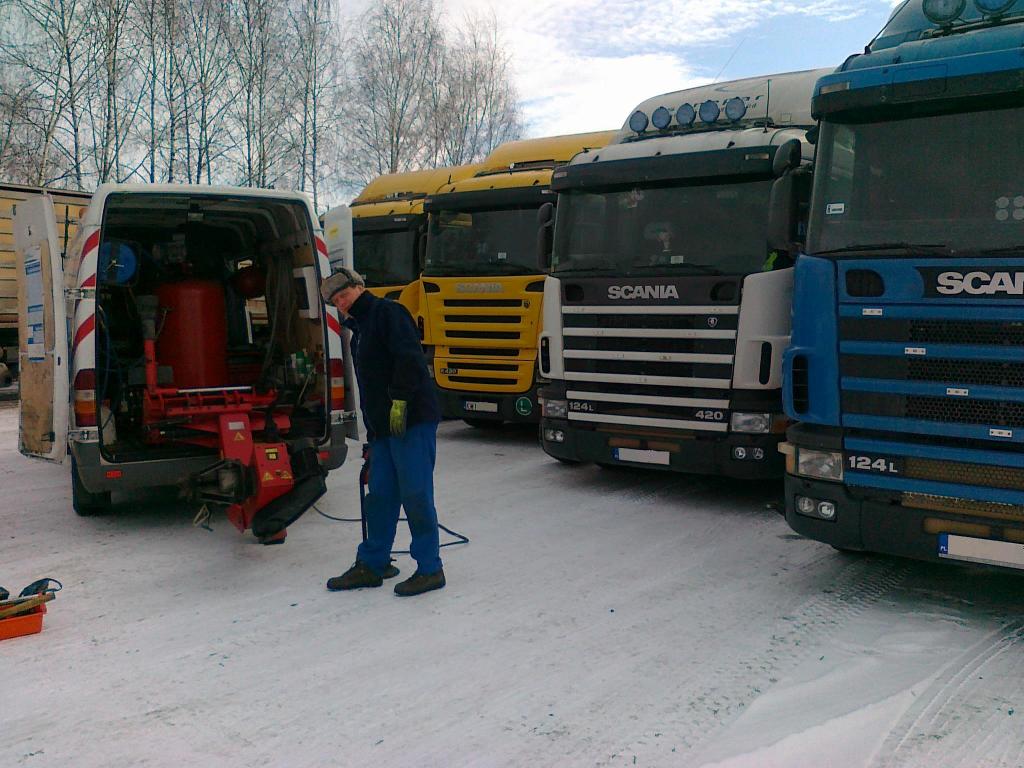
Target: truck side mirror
{"points": [[787, 158], [787, 211], [545, 235]]}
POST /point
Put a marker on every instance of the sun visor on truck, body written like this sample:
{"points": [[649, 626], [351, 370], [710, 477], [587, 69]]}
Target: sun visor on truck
{"points": [[867, 95], [489, 198], [386, 223], [718, 164]]}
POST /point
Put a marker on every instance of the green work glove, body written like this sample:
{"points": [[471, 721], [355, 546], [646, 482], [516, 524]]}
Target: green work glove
{"points": [[397, 418]]}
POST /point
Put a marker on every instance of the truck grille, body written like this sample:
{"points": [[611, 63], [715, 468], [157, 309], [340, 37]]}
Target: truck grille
{"points": [[966, 507], [937, 390], [933, 371], [485, 344], [666, 367], [987, 476], [503, 320], [938, 409]]}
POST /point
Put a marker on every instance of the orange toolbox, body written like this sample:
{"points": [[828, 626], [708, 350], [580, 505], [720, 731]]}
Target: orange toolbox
{"points": [[28, 623]]}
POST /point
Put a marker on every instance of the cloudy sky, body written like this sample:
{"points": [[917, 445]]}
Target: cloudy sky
{"points": [[583, 65]]}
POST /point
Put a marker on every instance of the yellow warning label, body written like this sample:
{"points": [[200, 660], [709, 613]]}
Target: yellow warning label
{"points": [[267, 476], [271, 454], [286, 475], [239, 437]]}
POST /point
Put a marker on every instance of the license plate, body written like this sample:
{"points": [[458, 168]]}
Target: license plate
{"points": [[1004, 553], [642, 457], [476, 406]]}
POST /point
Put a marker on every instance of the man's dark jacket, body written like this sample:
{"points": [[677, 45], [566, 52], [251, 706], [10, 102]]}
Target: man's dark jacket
{"points": [[390, 365]]}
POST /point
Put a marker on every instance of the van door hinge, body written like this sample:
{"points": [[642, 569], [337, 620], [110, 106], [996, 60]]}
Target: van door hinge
{"points": [[78, 294]]}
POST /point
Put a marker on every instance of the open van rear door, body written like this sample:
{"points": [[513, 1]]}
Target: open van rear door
{"points": [[337, 224], [42, 330]]}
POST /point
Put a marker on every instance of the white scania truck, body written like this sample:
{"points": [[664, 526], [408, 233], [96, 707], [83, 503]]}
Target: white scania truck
{"points": [[668, 306]]}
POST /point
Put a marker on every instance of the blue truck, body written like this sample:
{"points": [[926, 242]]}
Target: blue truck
{"points": [[905, 374]]}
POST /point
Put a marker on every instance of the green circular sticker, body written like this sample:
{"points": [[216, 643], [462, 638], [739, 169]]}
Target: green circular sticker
{"points": [[524, 406]]}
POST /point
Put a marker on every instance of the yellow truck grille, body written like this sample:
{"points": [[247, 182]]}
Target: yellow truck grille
{"points": [[485, 343]]}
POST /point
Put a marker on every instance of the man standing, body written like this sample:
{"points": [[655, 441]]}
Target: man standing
{"points": [[401, 414]]}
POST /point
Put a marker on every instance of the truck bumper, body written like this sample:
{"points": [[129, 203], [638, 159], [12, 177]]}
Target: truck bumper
{"points": [[95, 471], [880, 523], [701, 455], [521, 408]]}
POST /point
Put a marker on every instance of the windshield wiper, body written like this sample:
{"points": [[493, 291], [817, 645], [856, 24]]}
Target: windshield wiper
{"points": [[702, 269], [493, 269], [998, 251], [563, 270], [900, 246]]}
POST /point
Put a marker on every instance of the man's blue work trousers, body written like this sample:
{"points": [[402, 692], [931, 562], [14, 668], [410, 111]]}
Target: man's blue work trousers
{"points": [[402, 475]]}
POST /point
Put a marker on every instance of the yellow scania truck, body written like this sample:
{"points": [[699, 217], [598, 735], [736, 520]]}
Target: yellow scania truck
{"points": [[389, 226], [481, 289]]}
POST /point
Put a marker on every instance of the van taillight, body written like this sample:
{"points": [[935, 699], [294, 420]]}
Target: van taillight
{"points": [[337, 385], [85, 399]]}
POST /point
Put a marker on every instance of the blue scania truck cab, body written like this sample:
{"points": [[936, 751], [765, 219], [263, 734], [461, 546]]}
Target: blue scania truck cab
{"points": [[905, 374]]}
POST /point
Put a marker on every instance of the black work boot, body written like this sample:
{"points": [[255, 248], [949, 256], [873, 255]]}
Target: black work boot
{"points": [[390, 571], [419, 583], [358, 576]]}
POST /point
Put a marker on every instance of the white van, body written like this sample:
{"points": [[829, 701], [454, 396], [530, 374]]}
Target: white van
{"points": [[183, 326]]}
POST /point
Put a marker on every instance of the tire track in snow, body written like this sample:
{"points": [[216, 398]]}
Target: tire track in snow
{"points": [[732, 687], [949, 711]]}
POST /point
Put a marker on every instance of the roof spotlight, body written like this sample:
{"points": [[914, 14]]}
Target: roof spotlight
{"points": [[735, 108], [993, 7], [638, 122], [943, 11], [710, 111], [661, 118], [685, 115]]}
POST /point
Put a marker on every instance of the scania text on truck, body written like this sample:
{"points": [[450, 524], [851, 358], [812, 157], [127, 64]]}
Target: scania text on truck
{"points": [[666, 314], [190, 349], [906, 371], [481, 288]]}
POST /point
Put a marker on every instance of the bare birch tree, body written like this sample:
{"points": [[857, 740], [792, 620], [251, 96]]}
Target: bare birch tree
{"points": [[117, 88], [390, 65], [203, 80], [255, 92], [474, 105], [316, 77], [46, 42]]}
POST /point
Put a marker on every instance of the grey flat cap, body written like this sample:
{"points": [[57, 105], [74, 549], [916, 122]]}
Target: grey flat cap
{"points": [[341, 279]]}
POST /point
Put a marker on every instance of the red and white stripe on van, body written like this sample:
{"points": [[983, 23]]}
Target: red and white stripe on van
{"points": [[83, 338]]}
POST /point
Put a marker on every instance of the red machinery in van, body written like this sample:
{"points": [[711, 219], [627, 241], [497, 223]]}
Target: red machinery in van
{"points": [[182, 342]]}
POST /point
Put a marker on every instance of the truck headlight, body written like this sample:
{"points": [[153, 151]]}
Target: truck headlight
{"points": [[754, 423], [824, 465], [555, 409]]}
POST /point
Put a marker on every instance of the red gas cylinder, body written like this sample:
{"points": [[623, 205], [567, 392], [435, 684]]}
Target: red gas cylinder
{"points": [[193, 338]]}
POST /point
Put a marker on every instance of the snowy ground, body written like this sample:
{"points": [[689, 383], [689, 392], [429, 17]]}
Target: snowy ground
{"points": [[598, 618]]}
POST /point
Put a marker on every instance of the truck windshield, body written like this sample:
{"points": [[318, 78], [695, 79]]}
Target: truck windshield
{"points": [[499, 241], [719, 228], [386, 257], [948, 180]]}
